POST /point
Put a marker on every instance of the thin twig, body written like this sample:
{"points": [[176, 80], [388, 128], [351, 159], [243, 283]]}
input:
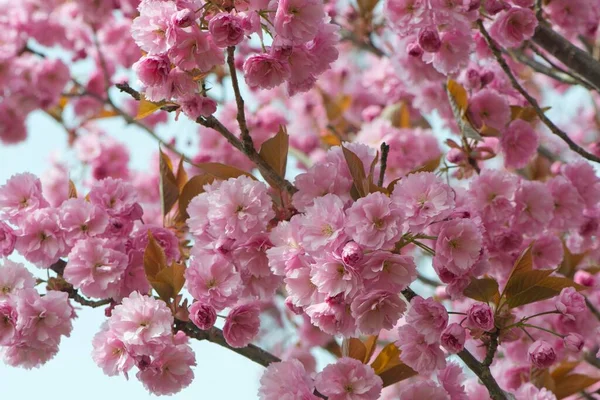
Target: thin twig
{"points": [[241, 113], [553, 128], [385, 149], [592, 309]]}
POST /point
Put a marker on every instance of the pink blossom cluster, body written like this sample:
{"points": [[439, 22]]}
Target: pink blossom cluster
{"points": [[183, 41], [441, 32], [139, 334], [31, 325], [229, 266]]}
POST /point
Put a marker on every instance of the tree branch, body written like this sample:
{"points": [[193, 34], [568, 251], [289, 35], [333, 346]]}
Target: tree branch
{"points": [[570, 55], [239, 101], [553, 128], [215, 335]]}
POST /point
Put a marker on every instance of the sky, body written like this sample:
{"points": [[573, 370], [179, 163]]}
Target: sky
{"points": [[220, 374]]}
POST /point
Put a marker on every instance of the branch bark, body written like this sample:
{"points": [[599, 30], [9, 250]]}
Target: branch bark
{"points": [[578, 60]]}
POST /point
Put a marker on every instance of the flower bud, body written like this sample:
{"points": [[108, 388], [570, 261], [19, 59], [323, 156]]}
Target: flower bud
{"points": [[541, 354], [453, 338], [7, 240], [414, 50], [584, 278], [487, 77], [184, 18], [352, 254], [203, 315], [574, 342], [480, 316], [429, 40]]}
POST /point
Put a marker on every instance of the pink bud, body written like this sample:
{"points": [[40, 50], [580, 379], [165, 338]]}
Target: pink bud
{"points": [[429, 40], [480, 316], [493, 7], [570, 303], [199, 106], [456, 156], [574, 342], [414, 50], [473, 78], [184, 18], [584, 278], [226, 29], [202, 315], [474, 5], [242, 325], [453, 338], [541, 354], [352, 253], [487, 77]]}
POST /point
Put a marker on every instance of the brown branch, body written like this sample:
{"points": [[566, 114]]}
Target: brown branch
{"points": [[239, 100], [532, 101], [385, 149], [546, 70], [576, 59], [215, 335], [59, 268]]}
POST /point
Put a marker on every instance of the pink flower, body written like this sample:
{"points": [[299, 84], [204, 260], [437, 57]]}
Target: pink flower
{"points": [[570, 303], [117, 197], [541, 354], [429, 317], [454, 51], [582, 175], [458, 246], [153, 29], [226, 29], [423, 198], [388, 271], [20, 195], [514, 26], [574, 342], [534, 207], [429, 40], [323, 47], [349, 379], [417, 353], [298, 20], [528, 391], [202, 315], [170, 371], [7, 240], [286, 252], [110, 354], [302, 291], [377, 310], [286, 380], [480, 316], [352, 254], [95, 268], [242, 325], [374, 222], [153, 70], [43, 319], [8, 322], [453, 338], [519, 143], [332, 316], [193, 49], [199, 106], [265, 71], [425, 389], [322, 225], [13, 278], [567, 204], [142, 323], [332, 277], [212, 279], [451, 379], [547, 252], [29, 354], [80, 219], [487, 107], [41, 240], [405, 14]]}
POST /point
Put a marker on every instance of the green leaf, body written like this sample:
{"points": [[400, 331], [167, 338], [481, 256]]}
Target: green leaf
{"points": [[542, 290], [222, 171], [485, 289], [275, 152]]}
